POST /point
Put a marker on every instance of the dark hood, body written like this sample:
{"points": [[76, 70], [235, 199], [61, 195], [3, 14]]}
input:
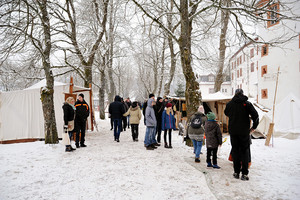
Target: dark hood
{"points": [[240, 98], [134, 104], [117, 98]]}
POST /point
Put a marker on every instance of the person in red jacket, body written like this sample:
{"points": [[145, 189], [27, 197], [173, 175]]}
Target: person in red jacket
{"points": [[239, 111]]}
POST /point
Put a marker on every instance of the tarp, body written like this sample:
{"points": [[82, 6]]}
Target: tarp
{"points": [[286, 117], [21, 114], [218, 96]]}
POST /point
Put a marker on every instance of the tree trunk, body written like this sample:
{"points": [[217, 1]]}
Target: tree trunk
{"points": [[172, 53], [222, 48], [88, 78], [101, 95], [162, 69], [47, 92], [112, 86], [192, 94]]}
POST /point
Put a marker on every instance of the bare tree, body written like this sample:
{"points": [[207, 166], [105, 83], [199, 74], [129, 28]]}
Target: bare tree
{"points": [[29, 21]]}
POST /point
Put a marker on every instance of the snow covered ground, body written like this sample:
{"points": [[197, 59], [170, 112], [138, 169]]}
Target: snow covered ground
{"points": [[125, 170]]}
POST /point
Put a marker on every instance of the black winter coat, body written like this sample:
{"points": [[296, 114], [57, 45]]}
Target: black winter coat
{"points": [[159, 109], [82, 111], [213, 134], [116, 109], [238, 111], [69, 113]]}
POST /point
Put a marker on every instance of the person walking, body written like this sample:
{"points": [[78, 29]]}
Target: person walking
{"points": [[124, 119], [213, 139], [69, 116], [159, 109], [128, 103], [135, 116], [116, 110], [82, 113], [238, 110], [195, 131], [150, 142], [168, 124]]}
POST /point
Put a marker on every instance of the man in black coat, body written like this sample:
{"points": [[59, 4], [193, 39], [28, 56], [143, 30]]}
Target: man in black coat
{"points": [[159, 109], [238, 110], [82, 113], [116, 110]]}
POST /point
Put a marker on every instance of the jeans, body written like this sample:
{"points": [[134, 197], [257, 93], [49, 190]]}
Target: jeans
{"points": [[197, 147], [117, 128], [150, 135], [128, 117]]}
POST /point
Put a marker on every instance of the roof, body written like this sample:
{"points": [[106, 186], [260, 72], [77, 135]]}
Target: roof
{"points": [[42, 83]]}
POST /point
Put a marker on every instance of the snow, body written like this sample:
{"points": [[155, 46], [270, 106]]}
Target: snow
{"points": [[109, 170]]}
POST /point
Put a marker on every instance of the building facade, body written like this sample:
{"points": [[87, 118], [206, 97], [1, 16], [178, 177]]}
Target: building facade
{"points": [[257, 65], [207, 83]]}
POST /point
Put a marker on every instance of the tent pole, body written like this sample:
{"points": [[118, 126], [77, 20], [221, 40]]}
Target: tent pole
{"points": [[71, 85], [91, 107], [271, 127]]}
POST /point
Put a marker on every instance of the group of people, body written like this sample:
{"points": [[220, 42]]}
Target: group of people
{"points": [[159, 116], [75, 117], [240, 112]]}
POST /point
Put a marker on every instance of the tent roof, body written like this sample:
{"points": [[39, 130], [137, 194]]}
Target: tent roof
{"points": [[215, 97], [42, 83]]}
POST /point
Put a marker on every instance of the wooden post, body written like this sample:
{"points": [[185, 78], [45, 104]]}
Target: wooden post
{"points": [[71, 85], [271, 127]]}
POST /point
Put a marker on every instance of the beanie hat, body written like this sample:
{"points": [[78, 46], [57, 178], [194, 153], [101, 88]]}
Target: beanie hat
{"points": [[211, 116], [169, 105], [81, 95], [239, 91], [151, 95]]}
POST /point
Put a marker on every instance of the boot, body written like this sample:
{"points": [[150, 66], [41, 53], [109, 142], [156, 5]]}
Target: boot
{"points": [[77, 145], [209, 165], [197, 160], [166, 145], [68, 148], [72, 148]]}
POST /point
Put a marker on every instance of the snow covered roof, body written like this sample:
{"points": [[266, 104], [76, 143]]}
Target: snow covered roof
{"points": [[42, 83], [215, 97]]}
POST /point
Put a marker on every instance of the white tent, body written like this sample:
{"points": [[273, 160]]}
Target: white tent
{"points": [[286, 118], [21, 114]]}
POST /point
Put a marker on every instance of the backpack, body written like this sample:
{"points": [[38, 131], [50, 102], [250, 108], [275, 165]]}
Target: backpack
{"points": [[196, 122]]}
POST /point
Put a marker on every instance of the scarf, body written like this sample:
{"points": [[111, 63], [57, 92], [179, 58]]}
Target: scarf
{"points": [[74, 108]]}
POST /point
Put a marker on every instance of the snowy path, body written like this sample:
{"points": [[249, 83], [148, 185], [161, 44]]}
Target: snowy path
{"points": [[125, 170]]}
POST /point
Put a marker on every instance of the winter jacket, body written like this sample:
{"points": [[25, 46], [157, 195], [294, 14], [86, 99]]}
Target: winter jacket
{"points": [[150, 114], [196, 133], [82, 111], [69, 113], [159, 109], [213, 134], [116, 109], [168, 121], [135, 115], [238, 111]]}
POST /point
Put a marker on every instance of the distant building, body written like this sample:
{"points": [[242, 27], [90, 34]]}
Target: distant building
{"points": [[254, 67], [207, 83]]}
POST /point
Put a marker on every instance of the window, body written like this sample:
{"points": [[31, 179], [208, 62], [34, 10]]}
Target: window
{"points": [[252, 67], [238, 73], [241, 72], [211, 90], [252, 53], [273, 15], [232, 65], [264, 70], [264, 93], [232, 77], [211, 79], [264, 50], [225, 90]]}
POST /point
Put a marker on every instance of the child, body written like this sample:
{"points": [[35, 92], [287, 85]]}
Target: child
{"points": [[213, 139], [181, 128], [167, 124]]}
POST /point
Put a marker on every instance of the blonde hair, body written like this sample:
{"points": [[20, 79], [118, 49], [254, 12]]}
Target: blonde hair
{"points": [[168, 110], [69, 100]]}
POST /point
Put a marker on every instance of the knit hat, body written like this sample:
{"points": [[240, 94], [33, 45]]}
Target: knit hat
{"points": [[81, 95], [211, 116], [169, 105], [151, 95], [239, 91]]}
